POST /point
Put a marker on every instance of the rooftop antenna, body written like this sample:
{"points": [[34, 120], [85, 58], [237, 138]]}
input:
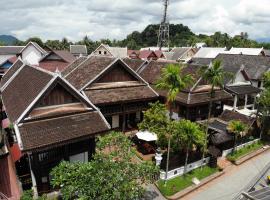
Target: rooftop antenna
{"points": [[163, 34]]}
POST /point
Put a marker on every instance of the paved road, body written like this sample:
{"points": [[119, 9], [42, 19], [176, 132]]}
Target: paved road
{"points": [[233, 181]]}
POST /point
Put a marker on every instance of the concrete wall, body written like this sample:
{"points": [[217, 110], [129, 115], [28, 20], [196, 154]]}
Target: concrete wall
{"points": [[179, 171]]}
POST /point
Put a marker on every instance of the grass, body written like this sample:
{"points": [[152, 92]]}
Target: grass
{"points": [[244, 151], [179, 183]]}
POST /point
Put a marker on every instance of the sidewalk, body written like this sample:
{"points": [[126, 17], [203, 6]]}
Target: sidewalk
{"points": [[233, 181]]}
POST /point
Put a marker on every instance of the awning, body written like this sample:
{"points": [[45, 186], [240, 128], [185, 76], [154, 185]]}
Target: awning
{"points": [[242, 89], [146, 136]]}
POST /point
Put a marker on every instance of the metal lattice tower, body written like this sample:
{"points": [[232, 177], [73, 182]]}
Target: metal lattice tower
{"points": [[163, 34]]}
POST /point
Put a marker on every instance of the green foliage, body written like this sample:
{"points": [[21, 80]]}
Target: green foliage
{"points": [[36, 40], [238, 128], [110, 175], [155, 120], [179, 183], [266, 80], [173, 81], [28, 195], [244, 151], [187, 134]]}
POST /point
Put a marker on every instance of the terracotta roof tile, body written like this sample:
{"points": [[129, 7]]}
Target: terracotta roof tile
{"points": [[17, 65], [113, 95], [73, 65], [228, 115], [88, 70], [133, 63], [58, 131], [20, 92]]}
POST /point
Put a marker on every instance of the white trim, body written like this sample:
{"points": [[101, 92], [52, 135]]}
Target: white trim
{"points": [[37, 47], [77, 92], [35, 100], [18, 135], [93, 79], [12, 77], [56, 106], [105, 46], [98, 110], [18, 59], [87, 57], [72, 63]]}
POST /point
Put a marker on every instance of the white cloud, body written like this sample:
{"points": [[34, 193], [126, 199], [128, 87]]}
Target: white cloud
{"points": [[55, 19]]}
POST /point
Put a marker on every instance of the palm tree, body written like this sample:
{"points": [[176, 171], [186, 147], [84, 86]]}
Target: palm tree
{"points": [[173, 82], [238, 128], [214, 75], [190, 135]]}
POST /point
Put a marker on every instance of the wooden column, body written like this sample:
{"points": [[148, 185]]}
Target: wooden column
{"points": [[33, 178], [246, 99]]}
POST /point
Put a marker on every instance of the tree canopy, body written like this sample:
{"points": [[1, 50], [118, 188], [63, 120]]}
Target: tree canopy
{"points": [[112, 174], [180, 35]]}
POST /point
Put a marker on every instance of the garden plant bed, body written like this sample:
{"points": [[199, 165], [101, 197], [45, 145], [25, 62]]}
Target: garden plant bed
{"points": [[180, 186], [246, 153]]}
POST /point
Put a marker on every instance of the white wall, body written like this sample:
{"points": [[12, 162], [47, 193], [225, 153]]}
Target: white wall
{"points": [[31, 55], [228, 151], [115, 121], [3, 58], [102, 50], [81, 157], [179, 171]]}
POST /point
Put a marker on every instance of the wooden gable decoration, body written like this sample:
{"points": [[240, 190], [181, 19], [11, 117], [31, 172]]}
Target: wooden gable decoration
{"points": [[56, 96], [117, 73], [59, 98]]}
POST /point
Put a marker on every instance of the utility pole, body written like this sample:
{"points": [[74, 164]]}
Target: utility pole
{"points": [[163, 34]]}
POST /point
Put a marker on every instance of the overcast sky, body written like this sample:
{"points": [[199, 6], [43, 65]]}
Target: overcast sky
{"points": [[55, 19]]}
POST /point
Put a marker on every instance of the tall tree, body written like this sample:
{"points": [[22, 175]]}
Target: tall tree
{"points": [[156, 121], [189, 134], [214, 76], [266, 80], [36, 40], [111, 175], [238, 128], [173, 81]]}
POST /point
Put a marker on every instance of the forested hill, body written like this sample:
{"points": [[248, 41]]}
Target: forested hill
{"points": [[180, 35]]}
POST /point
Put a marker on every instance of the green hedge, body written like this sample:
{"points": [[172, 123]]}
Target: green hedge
{"points": [[181, 182], [245, 151]]}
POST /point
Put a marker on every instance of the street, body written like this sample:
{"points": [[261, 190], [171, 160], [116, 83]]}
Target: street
{"points": [[233, 181]]}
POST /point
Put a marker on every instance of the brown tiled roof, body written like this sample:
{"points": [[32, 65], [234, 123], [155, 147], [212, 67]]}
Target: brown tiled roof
{"points": [[23, 89], [58, 131], [53, 65], [10, 50], [255, 66], [243, 89], [187, 98], [65, 55], [88, 70], [133, 63], [113, 95], [152, 72], [228, 115], [73, 65], [11, 71]]}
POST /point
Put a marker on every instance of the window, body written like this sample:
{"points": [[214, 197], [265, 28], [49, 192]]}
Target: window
{"points": [[105, 52], [100, 52]]}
